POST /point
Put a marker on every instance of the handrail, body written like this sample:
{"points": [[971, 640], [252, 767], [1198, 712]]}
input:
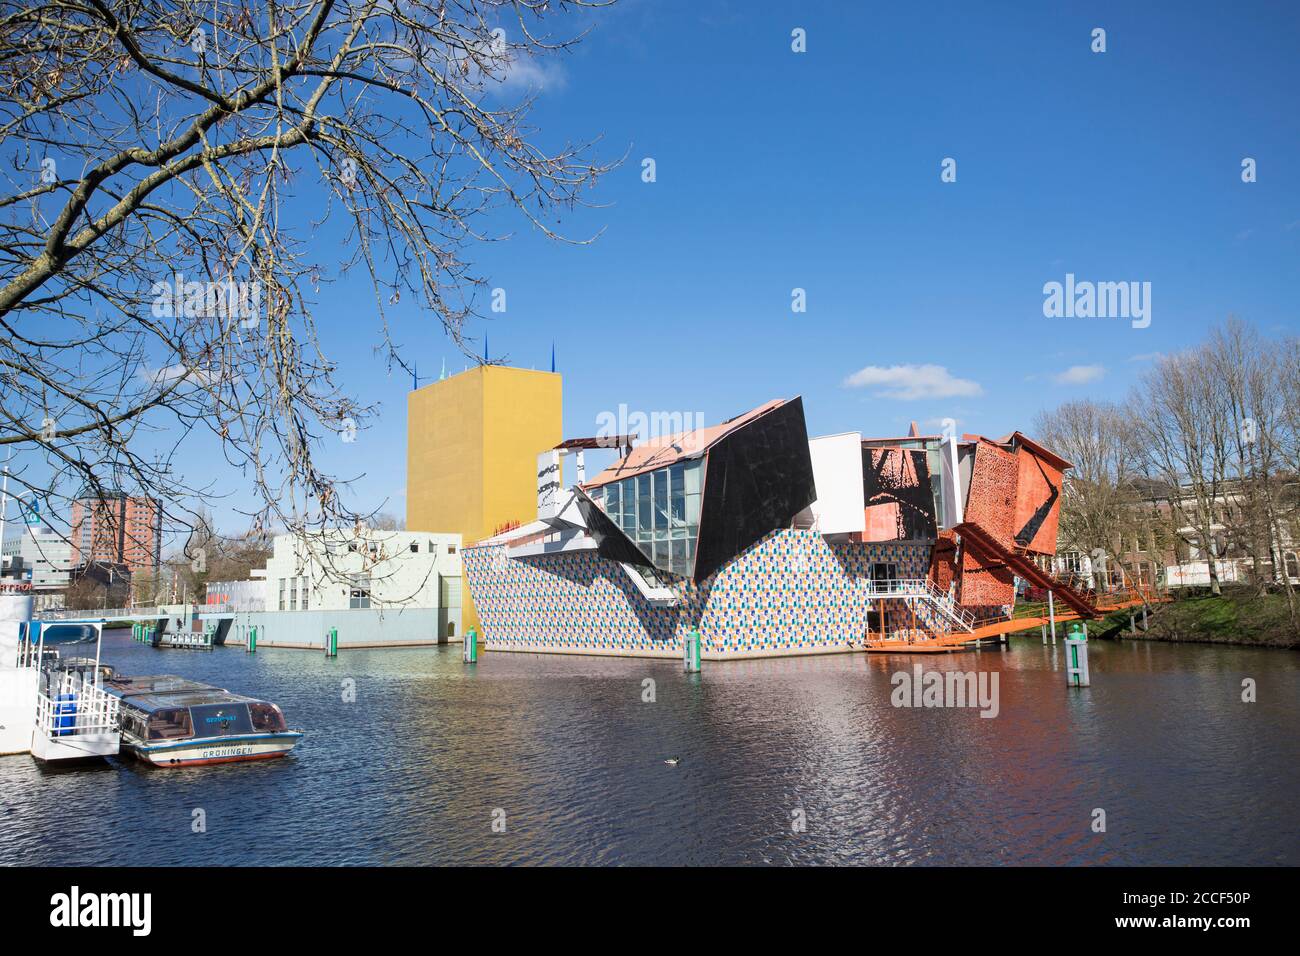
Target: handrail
{"points": [[921, 588], [92, 710]]}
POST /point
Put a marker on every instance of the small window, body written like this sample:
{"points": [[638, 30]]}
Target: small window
{"points": [[451, 628], [415, 547], [451, 549], [359, 595], [352, 546]]}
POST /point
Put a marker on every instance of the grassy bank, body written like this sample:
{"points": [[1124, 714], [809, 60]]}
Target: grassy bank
{"points": [[1238, 616]]}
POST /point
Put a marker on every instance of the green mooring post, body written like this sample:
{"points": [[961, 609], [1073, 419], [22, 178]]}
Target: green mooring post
{"points": [[332, 642], [469, 653], [252, 640], [1076, 656], [691, 652]]}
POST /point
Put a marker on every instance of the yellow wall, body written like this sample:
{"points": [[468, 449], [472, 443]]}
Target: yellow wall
{"points": [[472, 442]]}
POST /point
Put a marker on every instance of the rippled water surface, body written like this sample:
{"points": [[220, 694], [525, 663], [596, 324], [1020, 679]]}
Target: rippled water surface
{"points": [[414, 771]]}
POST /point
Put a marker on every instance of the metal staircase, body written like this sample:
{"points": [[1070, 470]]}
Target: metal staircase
{"points": [[922, 589], [975, 537]]}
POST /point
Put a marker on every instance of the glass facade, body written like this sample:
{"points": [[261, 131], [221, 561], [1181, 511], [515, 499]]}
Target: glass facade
{"points": [[660, 511]]}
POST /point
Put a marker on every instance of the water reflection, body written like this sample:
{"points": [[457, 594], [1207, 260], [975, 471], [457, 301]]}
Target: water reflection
{"points": [[412, 772]]}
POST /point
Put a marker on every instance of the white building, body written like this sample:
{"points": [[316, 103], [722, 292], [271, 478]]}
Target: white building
{"points": [[45, 552], [47, 556], [341, 570], [378, 588]]}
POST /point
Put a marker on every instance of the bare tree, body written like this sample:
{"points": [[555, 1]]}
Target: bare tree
{"points": [[1283, 443], [171, 167], [387, 522], [1183, 420], [1251, 375], [208, 556], [1097, 498]]}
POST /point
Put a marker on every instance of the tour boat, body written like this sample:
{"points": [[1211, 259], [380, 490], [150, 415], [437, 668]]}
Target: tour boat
{"points": [[169, 721]]}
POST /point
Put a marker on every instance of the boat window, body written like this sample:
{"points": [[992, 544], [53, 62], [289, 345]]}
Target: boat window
{"points": [[166, 724], [216, 720], [266, 717]]}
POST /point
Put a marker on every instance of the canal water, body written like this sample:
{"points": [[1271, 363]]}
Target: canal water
{"points": [[411, 757]]}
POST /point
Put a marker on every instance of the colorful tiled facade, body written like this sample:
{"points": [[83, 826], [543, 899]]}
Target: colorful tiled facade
{"points": [[791, 593]]}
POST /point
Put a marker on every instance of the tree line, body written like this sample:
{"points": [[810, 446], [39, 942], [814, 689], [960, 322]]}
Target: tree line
{"points": [[1200, 459]]}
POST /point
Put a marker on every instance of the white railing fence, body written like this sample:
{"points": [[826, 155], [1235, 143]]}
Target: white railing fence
{"points": [[188, 639], [110, 613], [78, 707]]}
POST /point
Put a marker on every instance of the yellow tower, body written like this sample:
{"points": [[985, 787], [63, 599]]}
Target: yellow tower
{"points": [[472, 442]]}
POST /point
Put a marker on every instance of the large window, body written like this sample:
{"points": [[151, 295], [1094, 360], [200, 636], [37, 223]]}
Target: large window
{"points": [[660, 511]]}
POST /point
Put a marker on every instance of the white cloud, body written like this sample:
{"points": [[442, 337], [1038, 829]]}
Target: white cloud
{"points": [[170, 373], [1079, 375], [531, 75], [910, 382]]}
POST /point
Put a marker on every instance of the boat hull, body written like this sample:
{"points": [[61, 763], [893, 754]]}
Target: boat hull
{"points": [[214, 750], [86, 746]]}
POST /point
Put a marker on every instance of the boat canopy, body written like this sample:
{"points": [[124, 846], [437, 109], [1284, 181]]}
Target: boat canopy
{"points": [[167, 707]]}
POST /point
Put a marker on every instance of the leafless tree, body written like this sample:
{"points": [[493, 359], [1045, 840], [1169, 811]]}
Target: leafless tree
{"points": [[169, 168], [1183, 420], [1252, 376], [1097, 504], [387, 522]]}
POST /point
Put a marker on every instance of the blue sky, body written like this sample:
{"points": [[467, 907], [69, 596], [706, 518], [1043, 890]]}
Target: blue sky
{"points": [[821, 170]]}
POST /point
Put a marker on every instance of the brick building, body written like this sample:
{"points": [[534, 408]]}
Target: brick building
{"points": [[117, 528]]}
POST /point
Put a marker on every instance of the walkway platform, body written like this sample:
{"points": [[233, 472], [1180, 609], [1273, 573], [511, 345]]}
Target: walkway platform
{"points": [[999, 629]]}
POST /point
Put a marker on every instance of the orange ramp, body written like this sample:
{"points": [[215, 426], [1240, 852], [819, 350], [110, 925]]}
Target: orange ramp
{"points": [[975, 537]]}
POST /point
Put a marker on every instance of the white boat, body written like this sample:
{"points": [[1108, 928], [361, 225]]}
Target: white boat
{"points": [[51, 707], [168, 721], [75, 718]]}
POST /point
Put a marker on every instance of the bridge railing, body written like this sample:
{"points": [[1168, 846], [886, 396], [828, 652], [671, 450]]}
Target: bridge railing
{"points": [[110, 613]]}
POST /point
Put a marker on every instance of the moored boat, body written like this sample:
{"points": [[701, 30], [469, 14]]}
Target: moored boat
{"points": [[169, 721]]}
